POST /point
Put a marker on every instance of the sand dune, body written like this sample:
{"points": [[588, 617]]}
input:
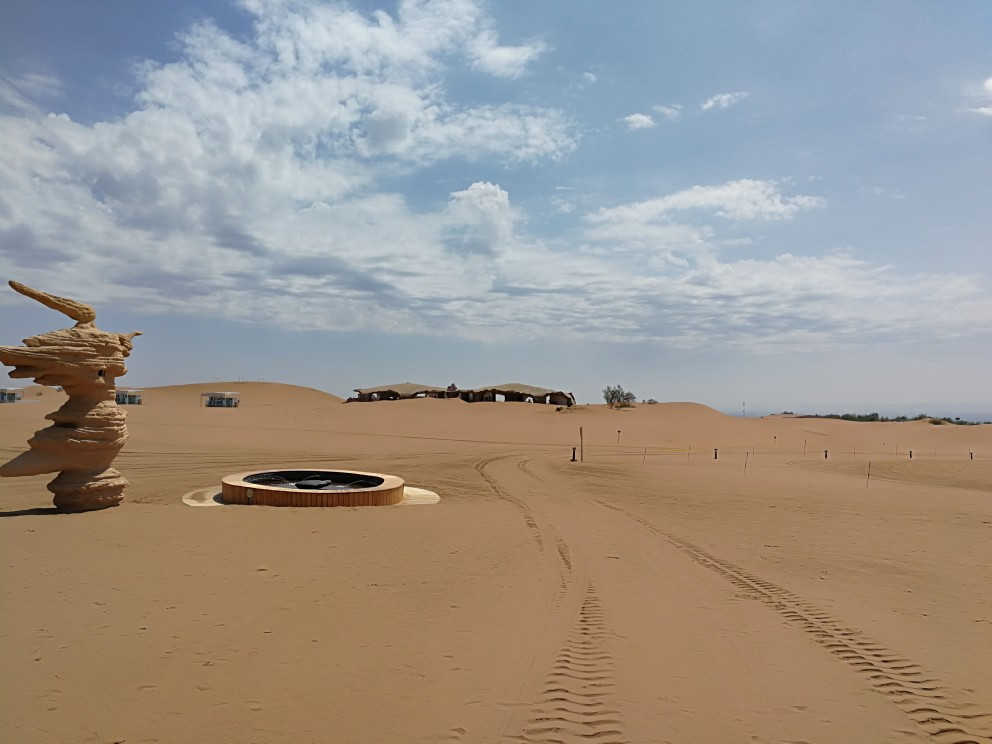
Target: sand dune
{"points": [[651, 593]]}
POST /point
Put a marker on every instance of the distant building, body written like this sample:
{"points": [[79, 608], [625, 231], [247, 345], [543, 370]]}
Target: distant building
{"points": [[508, 392], [518, 392], [220, 400], [128, 397], [10, 395], [402, 391]]}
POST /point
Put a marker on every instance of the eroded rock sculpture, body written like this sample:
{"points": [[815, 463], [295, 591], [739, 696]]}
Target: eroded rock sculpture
{"points": [[88, 431]]}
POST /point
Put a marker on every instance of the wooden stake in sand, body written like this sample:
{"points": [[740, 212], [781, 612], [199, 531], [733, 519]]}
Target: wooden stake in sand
{"points": [[804, 448], [582, 448], [869, 474], [745, 462], [645, 455]]}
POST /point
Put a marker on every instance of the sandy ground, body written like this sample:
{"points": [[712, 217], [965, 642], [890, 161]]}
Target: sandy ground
{"points": [[649, 594]]}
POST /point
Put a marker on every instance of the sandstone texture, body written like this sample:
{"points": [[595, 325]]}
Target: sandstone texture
{"points": [[88, 430]]}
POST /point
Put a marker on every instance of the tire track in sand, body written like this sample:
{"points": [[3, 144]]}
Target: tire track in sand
{"points": [[574, 704], [946, 715], [572, 699], [503, 494]]}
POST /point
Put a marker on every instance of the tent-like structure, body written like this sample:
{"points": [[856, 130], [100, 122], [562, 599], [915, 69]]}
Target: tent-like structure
{"points": [[509, 392], [515, 391], [400, 391]]}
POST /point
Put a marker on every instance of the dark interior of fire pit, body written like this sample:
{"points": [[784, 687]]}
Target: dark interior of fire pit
{"points": [[314, 480]]}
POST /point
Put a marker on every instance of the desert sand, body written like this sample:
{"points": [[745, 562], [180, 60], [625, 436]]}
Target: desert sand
{"points": [[651, 593]]}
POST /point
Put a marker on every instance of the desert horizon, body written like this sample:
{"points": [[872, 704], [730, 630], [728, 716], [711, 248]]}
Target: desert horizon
{"points": [[650, 593]]}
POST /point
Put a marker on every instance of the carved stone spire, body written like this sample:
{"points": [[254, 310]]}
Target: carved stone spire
{"points": [[89, 430]]}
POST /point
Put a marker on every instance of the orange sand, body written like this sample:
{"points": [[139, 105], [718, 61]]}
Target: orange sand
{"points": [[649, 594]]}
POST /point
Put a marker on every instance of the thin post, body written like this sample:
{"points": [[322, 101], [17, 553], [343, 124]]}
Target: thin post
{"points": [[582, 448], [855, 452], [824, 454], [971, 455], [573, 454], [645, 457], [911, 454], [745, 462], [688, 452], [618, 436], [869, 474], [804, 448], [714, 453]]}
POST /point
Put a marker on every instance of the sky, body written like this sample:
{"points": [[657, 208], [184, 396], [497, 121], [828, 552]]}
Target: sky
{"points": [[786, 206]]}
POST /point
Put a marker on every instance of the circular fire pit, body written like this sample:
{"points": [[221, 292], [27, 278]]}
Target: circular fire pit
{"points": [[312, 488]]}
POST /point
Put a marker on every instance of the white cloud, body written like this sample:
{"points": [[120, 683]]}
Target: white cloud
{"points": [[983, 94], [245, 182], [589, 77], [21, 94], [638, 121], [672, 113], [745, 199], [502, 61], [881, 191], [724, 100], [479, 219], [254, 179]]}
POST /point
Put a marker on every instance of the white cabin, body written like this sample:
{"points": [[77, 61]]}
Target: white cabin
{"points": [[11, 395], [128, 397], [220, 400]]}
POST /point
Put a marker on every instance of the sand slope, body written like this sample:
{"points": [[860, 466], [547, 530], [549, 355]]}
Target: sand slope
{"points": [[651, 593]]}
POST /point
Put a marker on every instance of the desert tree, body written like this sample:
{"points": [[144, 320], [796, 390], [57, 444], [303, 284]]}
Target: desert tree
{"points": [[617, 397]]}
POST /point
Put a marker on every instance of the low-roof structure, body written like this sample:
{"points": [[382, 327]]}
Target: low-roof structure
{"points": [[516, 391], [128, 396], [400, 391], [509, 391], [221, 399], [11, 395]]}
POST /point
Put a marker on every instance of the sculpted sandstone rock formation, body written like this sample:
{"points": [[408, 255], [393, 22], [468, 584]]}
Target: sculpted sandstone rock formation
{"points": [[88, 431]]}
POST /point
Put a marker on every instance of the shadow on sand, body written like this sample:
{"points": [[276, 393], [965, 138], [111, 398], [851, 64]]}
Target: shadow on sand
{"points": [[37, 511]]}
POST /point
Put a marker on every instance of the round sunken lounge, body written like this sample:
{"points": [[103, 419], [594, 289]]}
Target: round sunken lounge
{"points": [[312, 488]]}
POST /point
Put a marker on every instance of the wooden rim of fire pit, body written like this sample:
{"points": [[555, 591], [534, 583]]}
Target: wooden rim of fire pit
{"points": [[236, 490]]}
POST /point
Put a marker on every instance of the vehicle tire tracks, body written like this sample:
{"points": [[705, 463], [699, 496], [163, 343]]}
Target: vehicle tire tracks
{"points": [[574, 704], [573, 697], [947, 715], [503, 494]]}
